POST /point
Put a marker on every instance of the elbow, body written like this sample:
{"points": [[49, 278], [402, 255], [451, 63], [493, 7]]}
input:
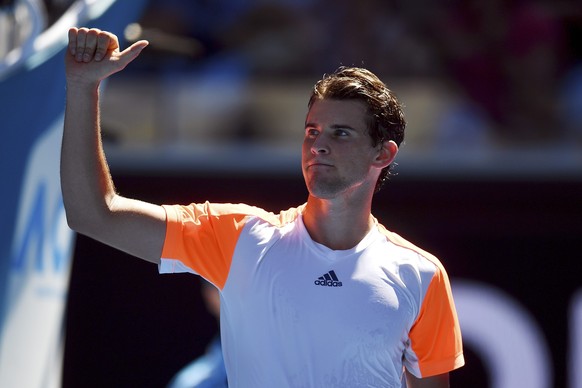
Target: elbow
{"points": [[73, 211], [84, 216], [78, 219], [74, 222]]}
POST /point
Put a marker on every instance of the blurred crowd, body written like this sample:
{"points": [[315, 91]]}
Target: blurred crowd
{"points": [[516, 65], [21, 21]]}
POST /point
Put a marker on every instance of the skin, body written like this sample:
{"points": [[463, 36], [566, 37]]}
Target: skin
{"points": [[92, 206], [339, 163], [340, 168]]}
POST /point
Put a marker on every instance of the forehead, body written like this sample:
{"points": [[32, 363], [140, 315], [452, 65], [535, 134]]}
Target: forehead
{"points": [[338, 112]]}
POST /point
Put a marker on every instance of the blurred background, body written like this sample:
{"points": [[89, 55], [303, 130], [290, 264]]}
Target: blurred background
{"points": [[482, 81], [489, 178]]}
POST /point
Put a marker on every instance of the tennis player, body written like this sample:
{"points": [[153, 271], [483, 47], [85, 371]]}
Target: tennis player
{"points": [[318, 295]]}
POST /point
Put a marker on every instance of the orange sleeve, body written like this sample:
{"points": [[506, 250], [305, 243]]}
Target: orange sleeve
{"points": [[203, 237], [436, 336]]}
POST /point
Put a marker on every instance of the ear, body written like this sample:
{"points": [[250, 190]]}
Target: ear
{"points": [[386, 154]]}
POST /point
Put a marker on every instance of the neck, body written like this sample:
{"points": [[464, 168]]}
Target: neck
{"points": [[338, 226]]}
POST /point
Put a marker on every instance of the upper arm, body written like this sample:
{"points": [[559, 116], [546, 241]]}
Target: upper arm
{"points": [[438, 381], [133, 226], [435, 336]]}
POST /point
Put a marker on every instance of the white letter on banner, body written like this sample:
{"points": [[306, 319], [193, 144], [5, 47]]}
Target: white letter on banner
{"points": [[504, 335]]}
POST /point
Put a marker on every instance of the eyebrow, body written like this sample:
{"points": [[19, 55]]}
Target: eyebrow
{"points": [[334, 126]]}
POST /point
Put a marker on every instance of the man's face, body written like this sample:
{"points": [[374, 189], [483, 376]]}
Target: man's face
{"points": [[337, 155]]}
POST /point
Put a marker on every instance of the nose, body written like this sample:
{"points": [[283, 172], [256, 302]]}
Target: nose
{"points": [[319, 146]]}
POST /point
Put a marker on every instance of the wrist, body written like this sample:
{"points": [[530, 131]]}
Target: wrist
{"points": [[82, 85]]}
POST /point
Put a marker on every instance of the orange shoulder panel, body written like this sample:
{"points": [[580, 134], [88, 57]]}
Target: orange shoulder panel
{"points": [[196, 237], [436, 334]]}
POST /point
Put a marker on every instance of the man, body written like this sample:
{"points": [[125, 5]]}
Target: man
{"points": [[320, 295]]}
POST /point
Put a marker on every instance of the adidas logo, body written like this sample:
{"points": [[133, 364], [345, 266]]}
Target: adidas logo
{"points": [[328, 280]]}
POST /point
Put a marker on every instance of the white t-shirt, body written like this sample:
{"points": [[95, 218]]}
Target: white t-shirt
{"points": [[295, 313]]}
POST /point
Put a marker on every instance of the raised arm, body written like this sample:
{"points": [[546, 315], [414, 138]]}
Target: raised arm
{"points": [[92, 206]]}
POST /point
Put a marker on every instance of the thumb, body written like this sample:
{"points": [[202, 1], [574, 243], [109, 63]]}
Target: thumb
{"points": [[132, 52]]}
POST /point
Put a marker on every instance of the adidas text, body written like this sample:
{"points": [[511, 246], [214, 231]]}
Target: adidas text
{"points": [[328, 283]]}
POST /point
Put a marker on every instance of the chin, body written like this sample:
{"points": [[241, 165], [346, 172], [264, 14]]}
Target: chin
{"points": [[324, 191]]}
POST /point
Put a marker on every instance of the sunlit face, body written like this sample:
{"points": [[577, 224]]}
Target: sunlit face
{"points": [[338, 156]]}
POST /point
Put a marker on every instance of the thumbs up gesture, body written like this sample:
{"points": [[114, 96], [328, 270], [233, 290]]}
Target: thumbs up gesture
{"points": [[93, 55]]}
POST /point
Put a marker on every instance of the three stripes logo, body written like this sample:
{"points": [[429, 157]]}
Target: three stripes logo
{"points": [[328, 280]]}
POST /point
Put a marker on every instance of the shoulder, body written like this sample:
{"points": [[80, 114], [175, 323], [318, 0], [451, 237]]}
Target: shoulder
{"points": [[200, 212], [406, 245]]}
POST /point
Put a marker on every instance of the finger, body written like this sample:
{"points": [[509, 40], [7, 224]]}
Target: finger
{"points": [[72, 40], [105, 43], [80, 47], [90, 44], [113, 42]]}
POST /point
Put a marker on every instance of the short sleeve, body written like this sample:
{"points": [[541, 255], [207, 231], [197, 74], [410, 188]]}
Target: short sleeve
{"points": [[201, 238], [435, 337]]}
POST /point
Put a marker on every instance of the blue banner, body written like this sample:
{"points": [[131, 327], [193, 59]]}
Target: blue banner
{"points": [[35, 242]]}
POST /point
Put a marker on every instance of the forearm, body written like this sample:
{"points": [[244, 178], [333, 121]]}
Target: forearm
{"points": [[85, 179], [92, 206]]}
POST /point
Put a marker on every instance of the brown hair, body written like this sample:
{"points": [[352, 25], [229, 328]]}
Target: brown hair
{"points": [[386, 116]]}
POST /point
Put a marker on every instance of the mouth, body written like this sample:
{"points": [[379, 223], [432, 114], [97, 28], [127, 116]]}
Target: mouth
{"points": [[318, 164]]}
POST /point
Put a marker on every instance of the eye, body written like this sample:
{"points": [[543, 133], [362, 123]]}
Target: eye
{"points": [[340, 133], [311, 132]]}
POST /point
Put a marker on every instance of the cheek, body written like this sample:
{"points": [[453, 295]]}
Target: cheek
{"points": [[306, 147]]}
